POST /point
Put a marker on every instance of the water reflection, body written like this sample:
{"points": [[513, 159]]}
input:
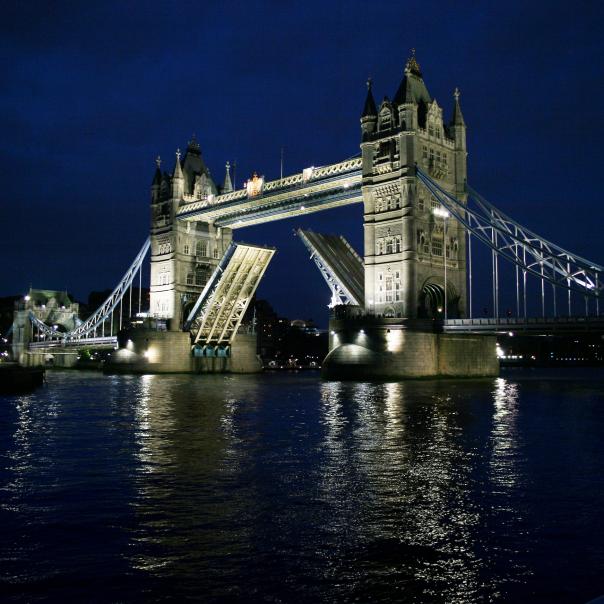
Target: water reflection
{"points": [[401, 474], [285, 488], [504, 459], [185, 435], [386, 481]]}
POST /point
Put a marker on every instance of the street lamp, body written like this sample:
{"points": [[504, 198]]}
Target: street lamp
{"points": [[444, 214]]}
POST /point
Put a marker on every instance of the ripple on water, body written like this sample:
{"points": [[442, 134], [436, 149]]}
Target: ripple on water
{"points": [[286, 488]]}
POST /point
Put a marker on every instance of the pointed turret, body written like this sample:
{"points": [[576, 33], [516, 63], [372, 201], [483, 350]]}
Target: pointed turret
{"points": [[177, 178], [157, 176], [155, 185], [370, 109], [194, 168], [412, 88], [457, 130], [457, 114], [177, 167], [227, 186], [369, 117]]}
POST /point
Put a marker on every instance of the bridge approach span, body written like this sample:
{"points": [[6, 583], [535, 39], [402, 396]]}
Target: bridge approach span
{"points": [[527, 326]]}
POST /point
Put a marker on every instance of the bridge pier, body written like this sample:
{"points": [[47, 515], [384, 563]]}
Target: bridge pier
{"points": [[152, 351], [50, 357], [388, 348]]}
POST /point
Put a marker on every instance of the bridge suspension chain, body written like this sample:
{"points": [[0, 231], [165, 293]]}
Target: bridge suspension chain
{"points": [[104, 312], [522, 247]]}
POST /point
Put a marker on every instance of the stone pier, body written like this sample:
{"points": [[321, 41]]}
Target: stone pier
{"points": [[384, 348], [152, 351]]}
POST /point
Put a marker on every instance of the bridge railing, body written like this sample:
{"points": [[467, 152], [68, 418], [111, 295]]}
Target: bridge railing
{"points": [[309, 176]]}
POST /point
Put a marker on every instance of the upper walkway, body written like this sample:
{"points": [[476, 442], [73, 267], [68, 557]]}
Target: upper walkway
{"points": [[311, 190]]}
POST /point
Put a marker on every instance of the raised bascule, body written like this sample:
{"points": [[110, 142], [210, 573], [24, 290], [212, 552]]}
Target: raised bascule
{"points": [[403, 309]]}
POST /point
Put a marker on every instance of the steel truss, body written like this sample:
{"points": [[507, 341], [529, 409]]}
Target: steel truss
{"points": [[219, 310], [88, 328], [328, 258], [522, 247]]}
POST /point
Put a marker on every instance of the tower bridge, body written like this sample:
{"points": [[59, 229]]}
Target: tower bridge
{"points": [[407, 302]]}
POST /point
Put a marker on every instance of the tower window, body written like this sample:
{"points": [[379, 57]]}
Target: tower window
{"points": [[189, 278], [216, 252], [201, 248], [437, 247], [200, 275], [186, 248]]}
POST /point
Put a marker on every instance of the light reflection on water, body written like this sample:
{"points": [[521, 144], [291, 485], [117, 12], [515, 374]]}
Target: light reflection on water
{"points": [[277, 488]]}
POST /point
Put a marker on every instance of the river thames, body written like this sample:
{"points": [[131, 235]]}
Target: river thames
{"points": [[285, 488]]}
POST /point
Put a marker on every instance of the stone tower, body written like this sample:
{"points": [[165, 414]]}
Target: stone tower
{"points": [[183, 254], [405, 242]]}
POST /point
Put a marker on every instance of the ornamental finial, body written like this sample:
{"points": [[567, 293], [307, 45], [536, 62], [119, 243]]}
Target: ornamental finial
{"points": [[412, 65], [369, 82], [158, 162], [178, 154], [456, 94]]}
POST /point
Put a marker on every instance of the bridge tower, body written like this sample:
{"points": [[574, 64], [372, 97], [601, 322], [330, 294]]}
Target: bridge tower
{"points": [[406, 244], [183, 254]]}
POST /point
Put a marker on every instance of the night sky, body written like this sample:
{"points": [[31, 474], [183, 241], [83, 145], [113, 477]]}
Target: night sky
{"points": [[92, 92]]}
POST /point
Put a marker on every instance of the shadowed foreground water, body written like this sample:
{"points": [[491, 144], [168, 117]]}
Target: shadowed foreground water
{"points": [[283, 488]]}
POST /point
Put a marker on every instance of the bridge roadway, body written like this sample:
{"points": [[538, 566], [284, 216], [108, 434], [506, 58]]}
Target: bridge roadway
{"points": [[312, 190], [529, 325], [103, 342], [486, 326]]}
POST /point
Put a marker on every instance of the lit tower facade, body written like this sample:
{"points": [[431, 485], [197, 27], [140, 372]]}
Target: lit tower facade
{"points": [[406, 243], [183, 254]]}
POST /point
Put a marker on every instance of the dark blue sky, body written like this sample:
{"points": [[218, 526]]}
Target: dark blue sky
{"points": [[92, 92]]}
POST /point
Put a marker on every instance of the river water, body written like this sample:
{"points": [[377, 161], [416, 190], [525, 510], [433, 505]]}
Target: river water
{"points": [[284, 488]]}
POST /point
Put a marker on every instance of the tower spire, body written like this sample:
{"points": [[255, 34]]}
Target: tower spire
{"points": [[157, 176], [412, 65], [177, 167], [227, 187], [457, 114], [369, 110]]}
